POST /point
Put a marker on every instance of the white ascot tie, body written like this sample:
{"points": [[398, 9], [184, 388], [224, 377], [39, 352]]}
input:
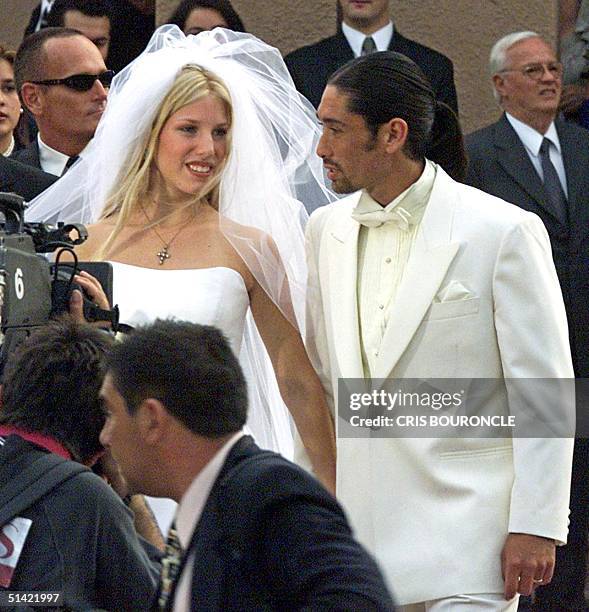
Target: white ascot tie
{"points": [[398, 216]]}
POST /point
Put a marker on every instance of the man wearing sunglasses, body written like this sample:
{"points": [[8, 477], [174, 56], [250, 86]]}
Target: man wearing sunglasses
{"points": [[63, 81], [540, 163]]}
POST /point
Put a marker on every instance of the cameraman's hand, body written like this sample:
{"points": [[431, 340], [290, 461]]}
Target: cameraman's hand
{"points": [[77, 306], [93, 288]]}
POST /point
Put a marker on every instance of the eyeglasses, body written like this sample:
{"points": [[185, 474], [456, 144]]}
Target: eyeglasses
{"points": [[536, 71], [81, 82]]}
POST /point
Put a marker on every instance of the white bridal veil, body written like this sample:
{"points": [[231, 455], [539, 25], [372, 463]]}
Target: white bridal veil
{"points": [[272, 174]]}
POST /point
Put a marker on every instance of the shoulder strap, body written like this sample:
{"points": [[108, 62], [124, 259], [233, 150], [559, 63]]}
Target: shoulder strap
{"points": [[45, 473]]}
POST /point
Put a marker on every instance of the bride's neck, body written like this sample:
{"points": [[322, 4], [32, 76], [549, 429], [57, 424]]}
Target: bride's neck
{"points": [[161, 206]]}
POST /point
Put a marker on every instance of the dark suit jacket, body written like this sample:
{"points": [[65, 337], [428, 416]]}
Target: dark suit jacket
{"points": [[29, 155], [311, 66], [271, 538], [23, 180], [33, 20], [499, 164]]}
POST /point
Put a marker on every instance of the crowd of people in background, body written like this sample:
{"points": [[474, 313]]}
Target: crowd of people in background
{"points": [[159, 472]]}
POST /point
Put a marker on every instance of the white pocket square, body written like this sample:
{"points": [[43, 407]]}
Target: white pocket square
{"points": [[454, 291]]}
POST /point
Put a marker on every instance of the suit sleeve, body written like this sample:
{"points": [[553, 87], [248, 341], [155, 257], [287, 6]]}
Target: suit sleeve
{"points": [[315, 563], [473, 173], [533, 340]]}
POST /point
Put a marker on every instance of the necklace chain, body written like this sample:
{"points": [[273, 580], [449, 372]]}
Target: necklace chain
{"points": [[164, 252]]}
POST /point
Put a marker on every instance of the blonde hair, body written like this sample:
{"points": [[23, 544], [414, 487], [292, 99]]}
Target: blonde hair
{"points": [[192, 84]]}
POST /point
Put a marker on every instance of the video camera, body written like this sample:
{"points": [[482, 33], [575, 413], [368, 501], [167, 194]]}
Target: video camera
{"points": [[32, 290]]}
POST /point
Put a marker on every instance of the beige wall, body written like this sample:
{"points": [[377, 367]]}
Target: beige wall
{"points": [[462, 29], [14, 17]]}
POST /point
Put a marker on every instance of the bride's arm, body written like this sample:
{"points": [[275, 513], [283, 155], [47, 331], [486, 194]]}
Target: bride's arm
{"points": [[298, 383]]}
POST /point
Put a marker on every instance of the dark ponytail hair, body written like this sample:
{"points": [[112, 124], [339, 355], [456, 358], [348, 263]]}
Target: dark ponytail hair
{"points": [[446, 146], [385, 85]]}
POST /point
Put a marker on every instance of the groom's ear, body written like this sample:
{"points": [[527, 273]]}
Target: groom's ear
{"points": [[394, 135]]}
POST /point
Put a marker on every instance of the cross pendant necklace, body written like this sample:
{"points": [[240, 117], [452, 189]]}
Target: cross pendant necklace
{"points": [[164, 253]]}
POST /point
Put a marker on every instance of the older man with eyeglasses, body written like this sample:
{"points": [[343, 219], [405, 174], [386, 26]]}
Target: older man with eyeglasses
{"points": [[63, 82], [540, 163]]}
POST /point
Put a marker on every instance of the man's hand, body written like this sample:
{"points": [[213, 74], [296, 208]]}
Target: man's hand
{"points": [[94, 290], [526, 562]]}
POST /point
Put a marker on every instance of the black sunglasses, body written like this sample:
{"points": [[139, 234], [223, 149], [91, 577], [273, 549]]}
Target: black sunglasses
{"points": [[81, 82]]}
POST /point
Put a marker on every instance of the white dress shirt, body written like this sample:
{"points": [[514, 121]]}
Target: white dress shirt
{"points": [[45, 9], [188, 515], [532, 140], [383, 253], [51, 161], [382, 38]]}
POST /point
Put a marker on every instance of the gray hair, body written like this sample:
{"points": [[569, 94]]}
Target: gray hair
{"points": [[498, 55]]}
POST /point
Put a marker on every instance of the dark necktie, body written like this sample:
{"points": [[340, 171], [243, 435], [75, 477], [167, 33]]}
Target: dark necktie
{"points": [[552, 184], [69, 163], [368, 46], [171, 562]]}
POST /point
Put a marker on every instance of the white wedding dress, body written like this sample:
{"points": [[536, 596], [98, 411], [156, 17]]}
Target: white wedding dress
{"points": [[210, 296]]}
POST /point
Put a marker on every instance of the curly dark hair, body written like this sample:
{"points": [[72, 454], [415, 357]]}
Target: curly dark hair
{"points": [[52, 383]]}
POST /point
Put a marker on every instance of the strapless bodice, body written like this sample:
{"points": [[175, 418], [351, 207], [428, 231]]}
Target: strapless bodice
{"points": [[210, 296]]}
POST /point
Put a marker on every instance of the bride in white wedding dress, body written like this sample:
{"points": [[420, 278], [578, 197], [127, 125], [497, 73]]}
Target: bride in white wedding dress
{"points": [[194, 181]]}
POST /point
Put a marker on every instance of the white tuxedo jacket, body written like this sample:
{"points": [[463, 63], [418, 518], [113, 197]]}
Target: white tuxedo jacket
{"points": [[436, 512]]}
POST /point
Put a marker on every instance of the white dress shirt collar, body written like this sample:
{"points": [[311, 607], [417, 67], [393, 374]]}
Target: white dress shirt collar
{"points": [[531, 139], [194, 499], [414, 199], [382, 38], [44, 10], [51, 161]]}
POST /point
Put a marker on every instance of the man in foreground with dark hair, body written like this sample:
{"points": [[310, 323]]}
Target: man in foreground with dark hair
{"points": [[417, 276], [252, 531], [64, 529]]}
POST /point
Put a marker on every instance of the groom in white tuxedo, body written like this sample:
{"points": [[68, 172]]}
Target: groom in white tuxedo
{"points": [[415, 275]]}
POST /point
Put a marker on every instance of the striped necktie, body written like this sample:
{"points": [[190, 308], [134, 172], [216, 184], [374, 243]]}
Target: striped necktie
{"points": [[171, 562]]}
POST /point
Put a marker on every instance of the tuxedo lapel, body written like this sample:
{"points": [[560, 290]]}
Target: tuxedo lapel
{"points": [[514, 159], [431, 256], [343, 270]]}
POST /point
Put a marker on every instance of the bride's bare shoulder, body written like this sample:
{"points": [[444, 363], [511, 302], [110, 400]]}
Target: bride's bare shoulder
{"points": [[255, 237], [98, 233]]}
